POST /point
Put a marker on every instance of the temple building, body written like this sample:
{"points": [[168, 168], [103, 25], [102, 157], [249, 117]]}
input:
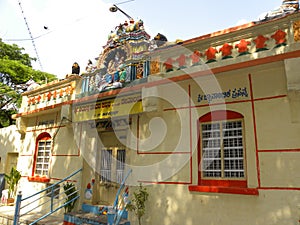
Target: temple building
{"points": [[210, 125]]}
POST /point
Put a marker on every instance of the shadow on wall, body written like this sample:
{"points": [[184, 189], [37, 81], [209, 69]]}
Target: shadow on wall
{"points": [[176, 205], [10, 140]]}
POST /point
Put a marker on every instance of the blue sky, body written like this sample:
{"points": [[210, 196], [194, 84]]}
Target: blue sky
{"points": [[78, 29]]}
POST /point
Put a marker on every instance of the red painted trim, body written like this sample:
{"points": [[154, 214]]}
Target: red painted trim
{"points": [[220, 115], [219, 33], [199, 151], [280, 188], [138, 134], [224, 183], [225, 190], [217, 116], [255, 131], [171, 109], [221, 103], [41, 136], [26, 155], [191, 135], [163, 182], [280, 150], [107, 94], [269, 98], [40, 179], [162, 153], [68, 223]]}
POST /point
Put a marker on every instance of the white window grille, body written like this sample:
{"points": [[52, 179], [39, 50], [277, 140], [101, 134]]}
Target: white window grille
{"points": [[106, 161], [112, 165], [43, 157], [222, 149], [121, 154]]}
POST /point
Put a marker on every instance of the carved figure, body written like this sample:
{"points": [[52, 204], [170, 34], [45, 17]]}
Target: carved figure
{"points": [[75, 68], [160, 39], [296, 27]]}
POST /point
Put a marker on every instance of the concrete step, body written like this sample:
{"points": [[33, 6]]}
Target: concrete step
{"points": [[81, 217]]}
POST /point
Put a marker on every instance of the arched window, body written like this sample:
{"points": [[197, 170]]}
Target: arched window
{"points": [[221, 149], [42, 155]]}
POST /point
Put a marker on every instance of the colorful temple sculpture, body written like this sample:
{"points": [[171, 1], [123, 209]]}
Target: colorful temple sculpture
{"points": [[123, 59], [209, 125]]}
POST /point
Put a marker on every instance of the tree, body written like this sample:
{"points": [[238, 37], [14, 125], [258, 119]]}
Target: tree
{"points": [[137, 203], [15, 71], [14, 52]]}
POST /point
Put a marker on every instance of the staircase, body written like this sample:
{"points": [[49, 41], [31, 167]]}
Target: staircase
{"points": [[23, 213], [94, 215], [103, 214], [41, 207]]}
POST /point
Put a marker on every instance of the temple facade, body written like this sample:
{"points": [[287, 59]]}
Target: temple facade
{"points": [[210, 125]]}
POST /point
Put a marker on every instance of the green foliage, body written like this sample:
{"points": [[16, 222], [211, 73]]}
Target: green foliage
{"points": [[15, 71], [20, 73], [137, 203], [12, 181], [71, 193], [14, 52]]}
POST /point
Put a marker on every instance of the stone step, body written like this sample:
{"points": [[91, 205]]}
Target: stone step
{"points": [[74, 218]]}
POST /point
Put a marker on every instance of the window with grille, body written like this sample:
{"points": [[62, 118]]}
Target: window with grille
{"points": [[112, 165], [120, 165], [43, 156], [222, 147], [105, 171]]}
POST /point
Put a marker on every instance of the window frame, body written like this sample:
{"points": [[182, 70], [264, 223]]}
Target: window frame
{"points": [[221, 116], [117, 168], [42, 137]]}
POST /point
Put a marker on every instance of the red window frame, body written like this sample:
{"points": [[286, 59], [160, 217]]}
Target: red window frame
{"points": [[43, 136], [215, 116]]}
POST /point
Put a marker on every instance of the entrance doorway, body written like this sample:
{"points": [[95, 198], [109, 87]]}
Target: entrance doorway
{"points": [[11, 161]]}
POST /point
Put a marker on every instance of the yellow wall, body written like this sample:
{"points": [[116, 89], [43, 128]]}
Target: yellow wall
{"points": [[267, 118]]}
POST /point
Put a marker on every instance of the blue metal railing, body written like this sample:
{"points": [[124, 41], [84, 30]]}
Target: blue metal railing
{"points": [[56, 201], [121, 197]]}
